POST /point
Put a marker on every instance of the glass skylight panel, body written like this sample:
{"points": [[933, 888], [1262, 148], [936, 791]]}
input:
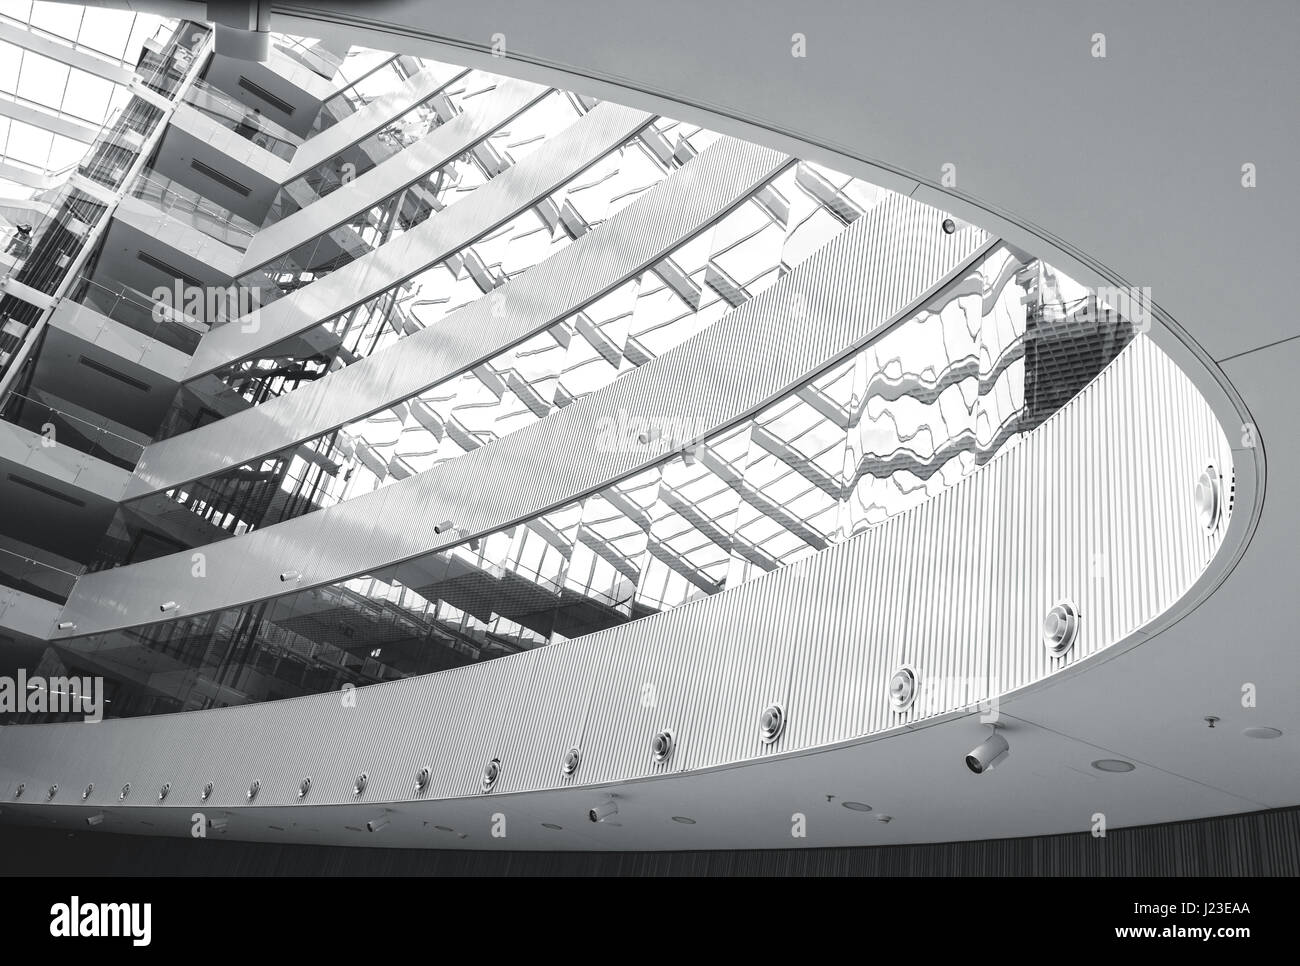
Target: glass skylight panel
{"points": [[61, 19], [29, 145], [114, 35], [88, 96]]}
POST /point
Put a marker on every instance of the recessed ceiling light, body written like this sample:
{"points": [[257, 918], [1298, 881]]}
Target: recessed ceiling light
{"points": [[553, 828], [683, 820], [856, 806], [884, 818], [1113, 765], [1261, 732], [443, 828]]}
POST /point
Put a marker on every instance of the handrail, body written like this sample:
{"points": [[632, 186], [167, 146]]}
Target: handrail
{"points": [[169, 195], [239, 118], [41, 563], [104, 443], [151, 317]]}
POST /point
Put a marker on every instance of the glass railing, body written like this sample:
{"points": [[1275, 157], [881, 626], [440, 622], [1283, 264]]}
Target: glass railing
{"points": [[317, 59], [25, 573], [400, 133], [412, 205], [390, 75], [188, 206], [247, 122], [168, 56], [154, 318], [59, 428], [504, 251]]}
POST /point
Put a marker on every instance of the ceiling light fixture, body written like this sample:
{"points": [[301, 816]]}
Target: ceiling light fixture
{"points": [[1261, 732], [856, 806], [988, 754]]}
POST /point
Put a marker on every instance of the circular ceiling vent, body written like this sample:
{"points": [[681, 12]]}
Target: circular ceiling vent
{"points": [[304, 787], [18, 792], [662, 746], [163, 792], [1060, 628], [126, 790], [360, 784], [207, 791], [1116, 766], [54, 790], [490, 774], [902, 688], [422, 779], [88, 791], [253, 789], [1209, 498], [572, 759], [949, 226], [771, 723]]}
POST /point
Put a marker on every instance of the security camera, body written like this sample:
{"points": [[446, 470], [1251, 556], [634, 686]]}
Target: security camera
{"points": [[375, 824], [217, 824], [988, 754], [96, 819], [604, 811]]}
